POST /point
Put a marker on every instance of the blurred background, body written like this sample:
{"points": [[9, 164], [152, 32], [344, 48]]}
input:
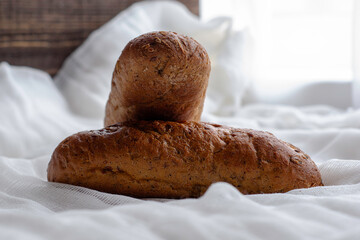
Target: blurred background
{"points": [[293, 47], [298, 41]]}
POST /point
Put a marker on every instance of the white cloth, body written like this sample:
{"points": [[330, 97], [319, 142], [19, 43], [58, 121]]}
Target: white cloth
{"points": [[36, 114], [356, 56]]}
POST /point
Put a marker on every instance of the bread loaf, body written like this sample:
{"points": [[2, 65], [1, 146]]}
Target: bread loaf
{"points": [[180, 159], [159, 76]]}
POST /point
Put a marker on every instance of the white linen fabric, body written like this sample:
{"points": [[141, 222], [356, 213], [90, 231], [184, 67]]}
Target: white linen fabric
{"points": [[356, 57], [37, 113]]}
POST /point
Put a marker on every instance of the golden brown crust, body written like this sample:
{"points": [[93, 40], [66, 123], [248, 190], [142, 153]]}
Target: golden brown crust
{"points": [[180, 159], [159, 76]]}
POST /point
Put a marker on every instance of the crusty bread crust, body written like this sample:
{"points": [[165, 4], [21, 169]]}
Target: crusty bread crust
{"points": [[159, 76], [165, 159]]}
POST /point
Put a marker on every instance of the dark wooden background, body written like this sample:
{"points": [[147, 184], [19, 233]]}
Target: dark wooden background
{"points": [[42, 33]]}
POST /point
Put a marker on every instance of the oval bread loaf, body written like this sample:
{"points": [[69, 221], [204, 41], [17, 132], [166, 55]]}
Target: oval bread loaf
{"points": [[176, 160], [159, 76]]}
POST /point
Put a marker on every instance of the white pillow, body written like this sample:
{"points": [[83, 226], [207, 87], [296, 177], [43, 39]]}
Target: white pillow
{"points": [[86, 75]]}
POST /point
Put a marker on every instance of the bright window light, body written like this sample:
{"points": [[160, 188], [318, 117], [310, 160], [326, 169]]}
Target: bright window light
{"points": [[296, 41]]}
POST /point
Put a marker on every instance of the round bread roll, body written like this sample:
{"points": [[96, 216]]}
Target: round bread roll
{"points": [[159, 76]]}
